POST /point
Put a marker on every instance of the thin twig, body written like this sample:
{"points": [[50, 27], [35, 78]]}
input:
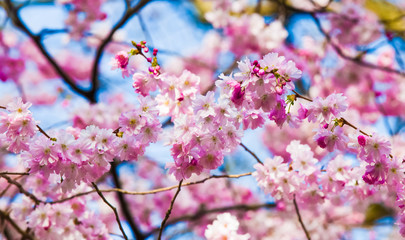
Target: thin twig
{"points": [[43, 132], [169, 211], [251, 153], [300, 219], [356, 60], [113, 208], [2, 107], [6, 216], [151, 191], [301, 96], [21, 189], [9, 185]]}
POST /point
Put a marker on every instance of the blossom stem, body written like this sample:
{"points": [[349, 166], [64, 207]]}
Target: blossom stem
{"points": [[300, 219], [113, 208], [251, 153], [151, 191], [43, 132], [169, 211], [301, 96], [20, 187]]}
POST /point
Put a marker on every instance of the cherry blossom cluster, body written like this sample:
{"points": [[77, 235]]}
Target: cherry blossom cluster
{"points": [[67, 220], [18, 125], [225, 227], [319, 169], [355, 25], [77, 157], [260, 88], [102, 115], [140, 127], [244, 32], [121, 59], [245, 98]]}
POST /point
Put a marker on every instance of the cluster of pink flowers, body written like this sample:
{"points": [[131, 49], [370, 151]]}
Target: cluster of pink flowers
{"points": [[120, 61], [355, 25], [102, 115], [285, 178], [18, 125], [140, 127], [225, 227], [67, 220], [79, 155], [83, 157], [90, 9], [245, 33]]}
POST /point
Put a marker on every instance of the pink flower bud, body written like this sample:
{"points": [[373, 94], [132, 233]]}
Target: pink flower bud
{"points": [[279, 90], [361, 140], [321, 142]]}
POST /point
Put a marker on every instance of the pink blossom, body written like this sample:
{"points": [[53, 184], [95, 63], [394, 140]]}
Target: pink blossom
{"points": [[324, 110], [224, 227]]}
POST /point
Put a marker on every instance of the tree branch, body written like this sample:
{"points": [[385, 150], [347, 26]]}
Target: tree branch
{"points": [[12, 12], [251, 153], [169, 211], [202, 212], [21, 189], [128, 14], [300, 219], [356, 60], [151, 191], [113, 208]]}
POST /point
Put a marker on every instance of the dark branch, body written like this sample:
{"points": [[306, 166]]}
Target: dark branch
{"points": [[13, 13], [21, 189], [202, 212], [124, 205]]}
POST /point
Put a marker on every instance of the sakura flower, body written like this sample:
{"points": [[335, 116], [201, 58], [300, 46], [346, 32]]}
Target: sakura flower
{"points": [[331, 140], [377, 172], [224, 227], [302, 158], [120, 61], [204, 105], [18, 107], [40, 217], [326, 109], [373, 148]]}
